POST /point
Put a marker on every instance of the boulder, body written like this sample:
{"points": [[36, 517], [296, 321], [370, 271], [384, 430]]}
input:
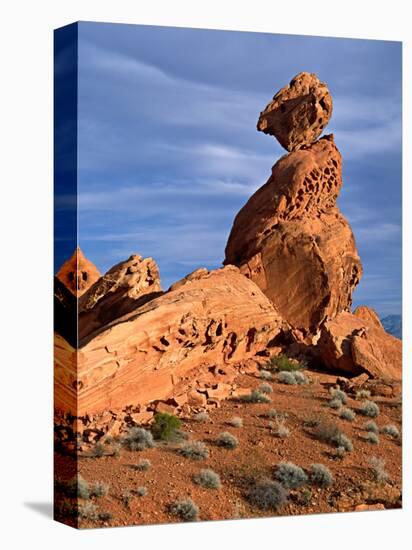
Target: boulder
{"points": [[350, 344], [78, 273], [298, 113], [369, 315]]}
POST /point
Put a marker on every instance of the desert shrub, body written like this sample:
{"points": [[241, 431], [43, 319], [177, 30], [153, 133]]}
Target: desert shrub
{"points": [[326, 431], [201, 417], [304, 496], [391, 430], [207, 478], [265, 375], [143, 465], [370, 408], [371, 427], [282, 363], [116, 450], [337, 393], [105, 516], [196, 450], [363, 394], [272, 413], [300, 378], [342, 440], [236, 422], [98, 450], [138, 439], [290, 475], [291, 378], [165, 426], [378, 469], [185, 509], [371, 437], [335, 403], [347, 414], [88, 510], [127, 498], [265, 388], [99, 489], [320, 475], [339, 452], [279, 428], [267, 495], [227, 440], [255, 396], [141, 491], [78, 487]]}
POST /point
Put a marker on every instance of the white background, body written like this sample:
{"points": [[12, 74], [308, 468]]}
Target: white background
{"points": [[26, 70]]}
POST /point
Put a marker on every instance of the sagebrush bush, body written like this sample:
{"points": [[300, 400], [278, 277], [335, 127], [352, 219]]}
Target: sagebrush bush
{"points": [[207, 478], [371, 437], [300, 378], [371, 427], [291, 378], [88, 510], [342, 440], [272, 413], [105, 516], [290, 475], [391, 430], [265, 375], [185, 509], [337, 393], [141, 491], [339, 452], [99, 489], [98, 450], [265, 388], [267, 495], [370, 408], [201, 417], [138, 439], [227, 440], [79, 487], [279, 428], [363, 394], [320, 475], [165, 426], [347, 414], [143, 465], [196, 450], [255, 396], [236, 422], [378, 469], [335, 403], [326, 431]]}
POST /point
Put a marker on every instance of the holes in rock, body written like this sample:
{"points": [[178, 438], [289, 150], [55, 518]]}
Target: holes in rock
{"points": [[250, 338], [219, 330], [164, 341]]}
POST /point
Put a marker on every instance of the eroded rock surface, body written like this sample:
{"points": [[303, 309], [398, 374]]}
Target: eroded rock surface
{"points": [[298, 113], [78, 273]]}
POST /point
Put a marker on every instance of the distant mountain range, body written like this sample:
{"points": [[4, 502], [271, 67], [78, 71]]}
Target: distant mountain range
{"points": [[393, 325]]}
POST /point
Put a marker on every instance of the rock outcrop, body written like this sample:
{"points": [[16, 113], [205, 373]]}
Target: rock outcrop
{"points": [[78, 273], [126, 286], [354, 345], [292, 240], [298, 112], [369, 315], [159, 349]]}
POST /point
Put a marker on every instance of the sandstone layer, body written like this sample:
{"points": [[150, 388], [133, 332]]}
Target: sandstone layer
{"points": [[78, 273], [291, 239], [210, 322], [298, 113], [355, 345]]}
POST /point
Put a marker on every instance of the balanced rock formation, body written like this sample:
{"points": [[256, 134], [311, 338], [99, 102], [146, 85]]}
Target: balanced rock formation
{"points": [[78, 273], [210, 321], [126, 286], [355, 344], [291, 239], [298, 112]]}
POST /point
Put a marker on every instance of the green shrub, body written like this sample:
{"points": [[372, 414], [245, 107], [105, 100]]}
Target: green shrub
{"points": [[267, 495], [143, 465], [227, 440], [290, 475], [196, 450], [282, 363], [165, 426], [370, 408], [378, 469], [207, 478], [265, 388], [185, 509], [347, 414], [236, 422], [265, 375], [371, 427], [255, 396], [326, 431], [201, 417], [391, 430], [339, 452], [78, 487], [371, 437], [320, 475], [138, 439]]}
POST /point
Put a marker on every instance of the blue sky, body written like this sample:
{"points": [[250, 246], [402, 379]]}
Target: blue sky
{"points": [[168, 150]]}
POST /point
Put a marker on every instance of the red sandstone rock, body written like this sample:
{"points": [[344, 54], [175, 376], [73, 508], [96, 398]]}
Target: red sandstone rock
{"points": [[349, 344], [298, 112], [292, 241], [369, 315], [78, 273]]}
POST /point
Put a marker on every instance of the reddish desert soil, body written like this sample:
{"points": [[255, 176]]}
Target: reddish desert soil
{"points": [[170, 475]]}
